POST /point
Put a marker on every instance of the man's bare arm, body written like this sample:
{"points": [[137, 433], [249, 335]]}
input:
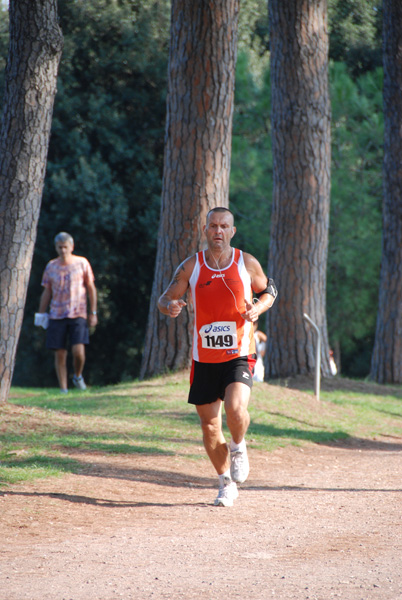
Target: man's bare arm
{"points": [[259, 283], [92, 296], [45, 298], [170, 303]]}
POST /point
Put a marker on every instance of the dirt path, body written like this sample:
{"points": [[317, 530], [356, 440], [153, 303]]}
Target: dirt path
{"points": [[314, 523]]}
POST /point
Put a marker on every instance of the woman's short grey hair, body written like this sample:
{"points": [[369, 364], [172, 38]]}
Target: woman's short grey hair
{"points": [[64, 237]]}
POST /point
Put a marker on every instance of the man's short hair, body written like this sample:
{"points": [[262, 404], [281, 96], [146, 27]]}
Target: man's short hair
{"points": [[220, 209], [64, 237]]}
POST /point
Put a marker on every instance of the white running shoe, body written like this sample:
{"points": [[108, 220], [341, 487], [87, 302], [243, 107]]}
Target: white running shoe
{"points": [[227, 493], [79, 382], [239, 465]]}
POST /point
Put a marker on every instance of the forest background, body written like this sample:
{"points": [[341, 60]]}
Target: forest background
{"points": [[104, 172]]}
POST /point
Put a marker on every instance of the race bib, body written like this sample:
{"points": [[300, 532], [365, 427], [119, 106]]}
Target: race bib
{"points": [[219, 335]]}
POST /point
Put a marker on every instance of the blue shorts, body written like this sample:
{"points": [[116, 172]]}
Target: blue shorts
{"points": [[62, 332], [209, 381]]}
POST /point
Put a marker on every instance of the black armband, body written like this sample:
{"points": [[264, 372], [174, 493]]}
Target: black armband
{"points": [[270, 289]]}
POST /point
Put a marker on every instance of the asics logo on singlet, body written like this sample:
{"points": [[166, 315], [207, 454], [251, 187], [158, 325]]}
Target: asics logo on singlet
{"points": [[216, 275], [216, 328]]}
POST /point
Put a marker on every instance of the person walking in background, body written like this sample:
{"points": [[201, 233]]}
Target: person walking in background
{"points": [[68, 283], [260, 346], [222, 280], [332, 363]]}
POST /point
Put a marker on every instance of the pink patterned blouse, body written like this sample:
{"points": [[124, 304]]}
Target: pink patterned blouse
{"points": [[68, 286]]}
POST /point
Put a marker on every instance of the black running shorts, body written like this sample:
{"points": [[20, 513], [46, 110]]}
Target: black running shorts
{"points": [[63, 331], [208, 381]]}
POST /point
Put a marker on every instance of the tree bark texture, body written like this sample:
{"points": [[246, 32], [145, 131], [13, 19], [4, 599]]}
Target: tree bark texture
{"points": [[30, 86], [203, 46], [301, 185], [386, 363]]}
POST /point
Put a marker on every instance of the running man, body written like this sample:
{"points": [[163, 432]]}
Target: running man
{"points": [[223, 281]]}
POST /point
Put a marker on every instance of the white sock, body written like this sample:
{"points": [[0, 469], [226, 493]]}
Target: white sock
{"points": [[225, 475], [235, 447]]}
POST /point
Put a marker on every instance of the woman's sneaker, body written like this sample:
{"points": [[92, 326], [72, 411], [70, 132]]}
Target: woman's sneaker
{"points": [[79, 382], [227, 493]]}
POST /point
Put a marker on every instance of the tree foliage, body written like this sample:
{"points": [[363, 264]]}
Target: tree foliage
{"points": [[355, 223], [356, 192], [105, 168], [355, 34]]}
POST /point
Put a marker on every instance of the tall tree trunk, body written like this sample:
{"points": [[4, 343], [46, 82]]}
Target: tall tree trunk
{"points": [[301, 187], [203, 47], [386, 363], [30, 86]]}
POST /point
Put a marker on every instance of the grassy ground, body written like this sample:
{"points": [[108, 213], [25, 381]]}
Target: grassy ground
{"points": [[42, 432]]}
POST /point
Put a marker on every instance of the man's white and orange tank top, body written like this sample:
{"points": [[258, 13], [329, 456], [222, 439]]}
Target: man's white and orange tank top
{"points": [[220, 332]]}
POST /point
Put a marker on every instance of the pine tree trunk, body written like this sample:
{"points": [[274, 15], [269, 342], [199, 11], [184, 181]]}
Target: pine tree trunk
{"points": [[386, 363], [30, 86], [203, 47], [301, 187]]}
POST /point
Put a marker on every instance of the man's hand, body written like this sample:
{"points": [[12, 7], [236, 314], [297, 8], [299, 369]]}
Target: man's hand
{"points": [[92, 320], [174, 307], [251, 313], [42, 320]]}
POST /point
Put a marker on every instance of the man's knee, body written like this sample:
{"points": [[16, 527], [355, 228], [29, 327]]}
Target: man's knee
{"points": [[238, 413], [238, 421], [210, 429], [60, 355], [78, 351], [210, 420]]}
